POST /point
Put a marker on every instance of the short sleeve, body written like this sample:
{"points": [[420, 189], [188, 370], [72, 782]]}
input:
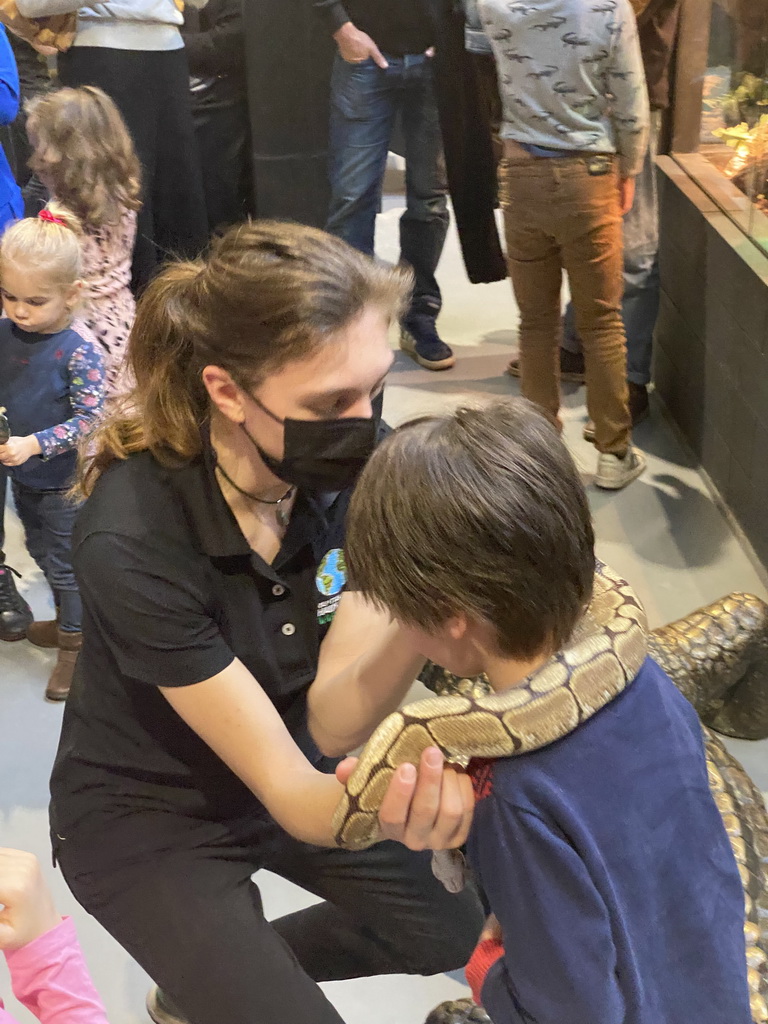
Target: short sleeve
{"points": [[149, 608]]}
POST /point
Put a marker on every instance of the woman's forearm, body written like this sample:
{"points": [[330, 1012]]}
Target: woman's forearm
{"points": [[366, 668], [237, 720]]}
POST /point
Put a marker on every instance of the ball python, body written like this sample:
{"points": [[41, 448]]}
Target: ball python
{"points": [[718, 657], [602, 657]]}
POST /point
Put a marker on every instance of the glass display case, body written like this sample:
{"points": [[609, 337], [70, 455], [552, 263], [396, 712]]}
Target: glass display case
{"points": [[726, 62]]}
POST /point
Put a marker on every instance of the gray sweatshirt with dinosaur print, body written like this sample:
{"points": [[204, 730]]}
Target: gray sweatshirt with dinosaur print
{"points": [[571, 76]]}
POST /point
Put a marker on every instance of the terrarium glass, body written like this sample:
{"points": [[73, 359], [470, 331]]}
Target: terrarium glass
{"points": [[734, 119]]}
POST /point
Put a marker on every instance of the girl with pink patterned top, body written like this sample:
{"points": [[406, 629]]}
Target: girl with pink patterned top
{"points": [[48, 973], [83, 153]]}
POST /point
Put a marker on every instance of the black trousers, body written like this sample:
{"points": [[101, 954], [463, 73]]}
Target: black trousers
{"points": [[194, 920], [151, 90], [224, 139]]}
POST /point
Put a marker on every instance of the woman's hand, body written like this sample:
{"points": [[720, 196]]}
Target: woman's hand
{"points": [[27, 907], [18, 450], [428, 809]]}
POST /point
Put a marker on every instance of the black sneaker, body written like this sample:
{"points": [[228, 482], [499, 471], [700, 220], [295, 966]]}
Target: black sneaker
{"points": [[161, 1009], [15, 613], [638, 402], [571, 367], [419, 338]]}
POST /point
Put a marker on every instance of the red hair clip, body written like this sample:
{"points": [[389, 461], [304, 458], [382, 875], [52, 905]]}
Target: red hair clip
{"points": [[51, 218]]}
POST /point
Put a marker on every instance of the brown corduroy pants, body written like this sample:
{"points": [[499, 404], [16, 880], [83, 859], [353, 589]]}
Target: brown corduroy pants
{"points": [[559, 217]]}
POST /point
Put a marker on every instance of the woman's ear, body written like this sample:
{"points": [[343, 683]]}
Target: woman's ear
{"points": [[224, 394]]}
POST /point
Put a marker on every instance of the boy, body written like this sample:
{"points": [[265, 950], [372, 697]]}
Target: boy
{"points": [[603, 856], [575, 131]]}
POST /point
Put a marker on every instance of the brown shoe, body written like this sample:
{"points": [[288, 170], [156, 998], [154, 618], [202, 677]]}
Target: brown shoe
{"points": [[44, 634], [61, 678]]}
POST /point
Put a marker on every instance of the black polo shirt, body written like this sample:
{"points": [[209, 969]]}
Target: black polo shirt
{"points": [[172, 593]]}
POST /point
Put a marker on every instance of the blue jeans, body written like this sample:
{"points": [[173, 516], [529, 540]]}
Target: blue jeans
{"points": [[48, 518], [365, 101], [640, 305]]}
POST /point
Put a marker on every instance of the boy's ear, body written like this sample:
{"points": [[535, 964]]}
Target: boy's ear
{"points": [[457, 626]]}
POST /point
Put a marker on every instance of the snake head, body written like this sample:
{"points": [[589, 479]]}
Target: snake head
{"points": [[5, 427]]}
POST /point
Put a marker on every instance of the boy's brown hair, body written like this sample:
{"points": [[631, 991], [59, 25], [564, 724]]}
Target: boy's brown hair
{"points": [[483, 512]]}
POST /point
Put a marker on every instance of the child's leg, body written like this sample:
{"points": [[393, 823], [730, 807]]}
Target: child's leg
{"points": [[593, 258], [536, 272], [57, 517], [28, 506]]}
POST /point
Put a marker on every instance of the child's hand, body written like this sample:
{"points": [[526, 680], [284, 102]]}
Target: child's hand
{"points": [[492, 930], [26, 910], [18, 450]]}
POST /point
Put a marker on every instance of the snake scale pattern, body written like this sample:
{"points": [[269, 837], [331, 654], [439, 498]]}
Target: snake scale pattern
{"points": [[717, 656], [604, 654]]}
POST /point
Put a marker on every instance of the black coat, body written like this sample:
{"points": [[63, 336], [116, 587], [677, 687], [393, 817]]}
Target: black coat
{"points": [[469, 156], [214, 40]]}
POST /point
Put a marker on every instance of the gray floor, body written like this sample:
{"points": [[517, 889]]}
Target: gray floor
{"points": [[664, 534]]}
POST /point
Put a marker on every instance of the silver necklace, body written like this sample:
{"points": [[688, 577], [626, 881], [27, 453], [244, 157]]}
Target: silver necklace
{"points": [[282, 514]]}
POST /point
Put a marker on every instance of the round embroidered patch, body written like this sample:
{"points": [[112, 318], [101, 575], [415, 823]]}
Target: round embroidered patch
{"points": [[332, 573]]}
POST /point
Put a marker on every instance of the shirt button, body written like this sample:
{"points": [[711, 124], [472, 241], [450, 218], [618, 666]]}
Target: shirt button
{"points": [[289, 629], [278, 590]]}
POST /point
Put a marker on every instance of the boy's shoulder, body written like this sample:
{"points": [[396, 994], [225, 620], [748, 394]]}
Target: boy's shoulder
{"points": [[649, 721]]}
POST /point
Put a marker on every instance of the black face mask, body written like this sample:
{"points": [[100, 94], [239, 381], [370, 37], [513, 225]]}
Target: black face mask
{"points": [[323, 455]]}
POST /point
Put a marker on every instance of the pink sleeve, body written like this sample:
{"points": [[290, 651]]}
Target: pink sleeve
{"points": [[50, 978], [5, 1018]]}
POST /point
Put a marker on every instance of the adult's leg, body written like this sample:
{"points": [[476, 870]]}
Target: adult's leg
{"points": [[590, 234], [385, 913], [535, 268], [424, 224], [15, 613], [223, 133], [642, 286], [128, 76], [193, 919], [178, 202], [362, 117]]}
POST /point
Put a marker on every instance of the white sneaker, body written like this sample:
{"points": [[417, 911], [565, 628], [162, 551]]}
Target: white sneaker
{"points": [[614, 473]]}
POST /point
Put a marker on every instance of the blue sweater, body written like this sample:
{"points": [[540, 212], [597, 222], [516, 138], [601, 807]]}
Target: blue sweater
{"points": [[52, 386], [608, 866], [11, 204]]}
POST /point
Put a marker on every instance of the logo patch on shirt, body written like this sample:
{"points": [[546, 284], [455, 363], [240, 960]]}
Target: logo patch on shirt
{"points": [[330, 581]]}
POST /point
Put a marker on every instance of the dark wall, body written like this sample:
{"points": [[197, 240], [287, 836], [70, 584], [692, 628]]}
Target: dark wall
{"points": [[711, 352], [289, 62]]}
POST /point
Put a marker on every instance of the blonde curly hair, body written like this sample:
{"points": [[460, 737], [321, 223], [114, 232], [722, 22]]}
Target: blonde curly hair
{"points": [[84, 153]]}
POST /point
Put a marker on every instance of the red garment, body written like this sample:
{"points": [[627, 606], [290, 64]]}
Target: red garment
{"points": [[50, 979], [482, 960]]}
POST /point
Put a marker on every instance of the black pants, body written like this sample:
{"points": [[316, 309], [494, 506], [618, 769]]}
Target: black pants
{"points": [[223, 136], [152, 91], [193, 919]]}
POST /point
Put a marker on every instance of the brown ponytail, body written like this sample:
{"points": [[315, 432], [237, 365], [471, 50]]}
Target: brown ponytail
{"points": [[268, 294]]}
